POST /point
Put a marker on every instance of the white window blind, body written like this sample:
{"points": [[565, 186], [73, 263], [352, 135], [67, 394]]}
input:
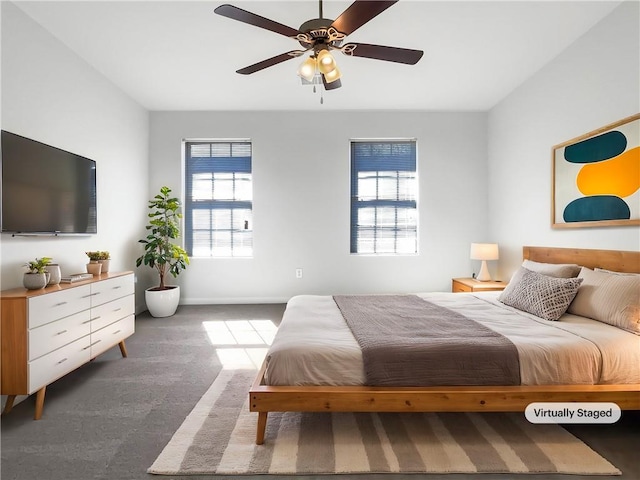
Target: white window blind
{"points": [[384, 197], [219, 195]]}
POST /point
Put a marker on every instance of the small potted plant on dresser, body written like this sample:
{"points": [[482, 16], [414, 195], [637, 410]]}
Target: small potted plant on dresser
{"points": [[162, 254], [93, 267], [102, 257], [37, 276]]}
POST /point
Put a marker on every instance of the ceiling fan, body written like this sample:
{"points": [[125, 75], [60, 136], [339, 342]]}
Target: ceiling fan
{"points": [[320, 36]]}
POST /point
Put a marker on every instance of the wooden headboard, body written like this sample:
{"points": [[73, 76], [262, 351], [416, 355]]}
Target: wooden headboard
{"points": [[616, 260]]}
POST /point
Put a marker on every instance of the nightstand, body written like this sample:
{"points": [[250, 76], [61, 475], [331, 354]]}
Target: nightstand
{"points": [[473, 285]]}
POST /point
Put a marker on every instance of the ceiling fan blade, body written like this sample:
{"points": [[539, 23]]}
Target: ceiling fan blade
{"points": [[241, 15], [359, 13], [331, 86], [380, 52], [270, 62]]}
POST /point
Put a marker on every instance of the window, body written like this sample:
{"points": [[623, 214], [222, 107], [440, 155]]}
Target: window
{"points": [[218, 200], [383, 197]]}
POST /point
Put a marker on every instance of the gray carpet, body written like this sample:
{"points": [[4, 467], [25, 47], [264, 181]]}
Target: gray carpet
{"points": [[111, 418]]}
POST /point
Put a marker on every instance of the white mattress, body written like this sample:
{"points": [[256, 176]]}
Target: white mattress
{"points": [[314, 345]]}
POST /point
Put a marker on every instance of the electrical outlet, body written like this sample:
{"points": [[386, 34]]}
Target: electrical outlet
{"points": [[298, 273]]}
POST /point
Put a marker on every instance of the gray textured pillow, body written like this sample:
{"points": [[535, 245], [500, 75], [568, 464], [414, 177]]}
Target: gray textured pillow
{"points": [[543, 296], [609, 298], [559, 270]]}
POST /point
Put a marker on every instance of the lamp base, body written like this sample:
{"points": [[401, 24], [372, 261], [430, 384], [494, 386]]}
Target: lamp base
{"points": [[483, 275]]}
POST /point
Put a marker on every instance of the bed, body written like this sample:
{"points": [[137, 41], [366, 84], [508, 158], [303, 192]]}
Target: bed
{"points": [[342, 389]]}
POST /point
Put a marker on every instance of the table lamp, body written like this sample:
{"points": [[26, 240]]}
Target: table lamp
{"points": [[484, 252]]}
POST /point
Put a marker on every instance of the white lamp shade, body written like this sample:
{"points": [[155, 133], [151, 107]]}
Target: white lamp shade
{"points": [[484, 251]]}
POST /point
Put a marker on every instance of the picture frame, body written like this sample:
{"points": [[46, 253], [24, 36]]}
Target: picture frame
{"points": [[596, 177]]}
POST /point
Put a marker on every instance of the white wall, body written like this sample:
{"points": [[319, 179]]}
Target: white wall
{"points": [[51, 95], [592, 83], [301, 201]]}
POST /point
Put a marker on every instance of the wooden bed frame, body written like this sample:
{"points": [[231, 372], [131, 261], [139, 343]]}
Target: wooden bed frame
{"points": [[264, 398]]}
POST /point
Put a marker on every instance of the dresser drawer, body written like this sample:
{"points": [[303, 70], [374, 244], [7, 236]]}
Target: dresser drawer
{"points": [[54, 335], [52, 306], [108, 290], [111, 335], [54, 365], [107, 313], [457, 287]]}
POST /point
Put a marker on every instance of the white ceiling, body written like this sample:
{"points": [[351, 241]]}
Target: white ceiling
{"points": [[179, 55]]}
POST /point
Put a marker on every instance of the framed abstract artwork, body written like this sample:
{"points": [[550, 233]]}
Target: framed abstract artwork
{"points": [[596, 178]]}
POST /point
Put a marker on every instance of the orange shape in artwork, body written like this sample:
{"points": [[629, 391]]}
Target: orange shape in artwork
{"points": [[619, 176]]}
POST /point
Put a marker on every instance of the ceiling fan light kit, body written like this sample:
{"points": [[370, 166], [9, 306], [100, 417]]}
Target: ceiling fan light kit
{"points": [[323, 63], [320, 36]]}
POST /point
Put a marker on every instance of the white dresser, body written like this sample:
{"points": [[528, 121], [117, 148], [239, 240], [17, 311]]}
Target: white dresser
{"points": [[49, 332]]}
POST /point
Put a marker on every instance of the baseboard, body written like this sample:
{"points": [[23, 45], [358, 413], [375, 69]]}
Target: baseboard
{"points": [[232, 300]]}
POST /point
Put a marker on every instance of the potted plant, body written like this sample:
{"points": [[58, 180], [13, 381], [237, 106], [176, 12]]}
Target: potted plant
{"points": [[36, 277], [102, 257], [162, 254], [93, 267]]}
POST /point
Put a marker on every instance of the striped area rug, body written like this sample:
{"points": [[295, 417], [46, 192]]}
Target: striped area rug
{"points": [[217, 438]]}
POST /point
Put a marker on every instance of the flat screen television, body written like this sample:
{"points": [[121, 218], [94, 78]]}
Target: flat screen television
{"points": [[46, 190]]}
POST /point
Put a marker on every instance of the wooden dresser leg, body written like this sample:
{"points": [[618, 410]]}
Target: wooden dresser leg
{"points": [[262, 426], [9, 405], [39, 403], [123, 349]]}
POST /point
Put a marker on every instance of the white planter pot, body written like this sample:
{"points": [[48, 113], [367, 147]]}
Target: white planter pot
{"points": [[55, 274], [162, 303], [105, 265]]}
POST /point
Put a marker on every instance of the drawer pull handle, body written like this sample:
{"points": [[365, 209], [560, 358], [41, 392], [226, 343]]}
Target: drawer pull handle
{"points": [[62, 361], [60, 333], [86, 321], [94, 318], [94, 294], [117, 331], [119, 286], [117, 309], [60, 304]]}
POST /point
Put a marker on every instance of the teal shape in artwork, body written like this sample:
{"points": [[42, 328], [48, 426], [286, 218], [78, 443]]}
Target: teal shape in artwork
{"points": [[596, 149], [596, 208]]}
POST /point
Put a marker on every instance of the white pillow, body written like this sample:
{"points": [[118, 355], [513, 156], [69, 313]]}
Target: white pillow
{"points": [[544, 296], [609, 298], [559, 270], [615, 273]]}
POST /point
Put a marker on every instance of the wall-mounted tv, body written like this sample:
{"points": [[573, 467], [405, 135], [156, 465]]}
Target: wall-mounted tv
{"points": [[46, 190]]}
